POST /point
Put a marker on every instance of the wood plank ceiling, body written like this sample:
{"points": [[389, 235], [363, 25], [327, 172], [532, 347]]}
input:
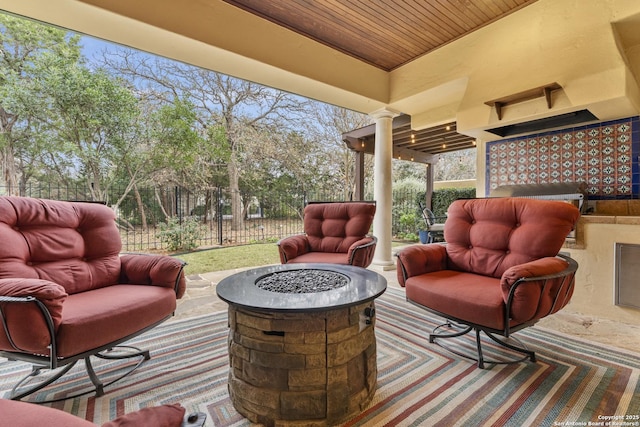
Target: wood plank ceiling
{"points": [[383, 33], [388, 34]]}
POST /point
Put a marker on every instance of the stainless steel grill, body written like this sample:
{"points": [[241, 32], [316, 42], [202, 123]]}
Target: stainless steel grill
{"points": [[574, 192]]}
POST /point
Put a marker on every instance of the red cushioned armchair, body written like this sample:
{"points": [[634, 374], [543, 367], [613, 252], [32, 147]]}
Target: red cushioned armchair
{"points": [[67, 294], [335, 233], [499, 271]]}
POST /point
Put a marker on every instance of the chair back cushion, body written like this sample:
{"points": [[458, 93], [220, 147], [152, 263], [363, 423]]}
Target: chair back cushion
{"points": [[73, 244], [488, 236], [334, 227]]}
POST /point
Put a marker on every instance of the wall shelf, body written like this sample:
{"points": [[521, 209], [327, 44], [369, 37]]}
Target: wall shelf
{"points": [[537, 92]]}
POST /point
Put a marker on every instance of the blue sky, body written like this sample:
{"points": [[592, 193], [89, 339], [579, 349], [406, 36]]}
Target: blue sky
{"points": [[92, 46]]}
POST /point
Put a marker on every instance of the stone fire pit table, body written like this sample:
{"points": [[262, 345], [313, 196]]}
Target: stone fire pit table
{"points": [[302, 347]]}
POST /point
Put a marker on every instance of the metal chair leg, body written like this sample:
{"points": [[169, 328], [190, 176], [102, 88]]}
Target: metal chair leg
{"points": [[479, 357], [112, 354], [479, 348], [531, 355], [35, 371]]}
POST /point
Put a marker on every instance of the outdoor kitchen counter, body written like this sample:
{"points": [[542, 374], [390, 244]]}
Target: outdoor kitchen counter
{"points": [[610, 219], [596, 219], [599, 235]]}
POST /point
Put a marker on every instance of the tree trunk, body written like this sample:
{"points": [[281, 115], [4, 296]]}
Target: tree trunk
{"points": [[143, 215], [207, 207], [161, 203], [9, 169], [237, 222], [10, 173]]}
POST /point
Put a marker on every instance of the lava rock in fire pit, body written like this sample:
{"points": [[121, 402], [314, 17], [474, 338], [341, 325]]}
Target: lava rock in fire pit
{"points": [[302, 281]]}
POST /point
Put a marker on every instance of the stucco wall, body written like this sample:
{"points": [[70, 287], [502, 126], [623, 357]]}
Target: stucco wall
{"points": [[462, 183], [595, 282]]}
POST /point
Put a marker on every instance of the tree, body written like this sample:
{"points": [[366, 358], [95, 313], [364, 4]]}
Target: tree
{"points": [[182, 154], [456, 165], [29, 51], [95, 117], [288, 166], [220, 102], [404, 169], [332, 122], [176, 141]]}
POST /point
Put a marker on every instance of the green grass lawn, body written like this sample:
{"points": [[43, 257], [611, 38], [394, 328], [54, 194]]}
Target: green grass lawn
{"points": [[228, 258]]}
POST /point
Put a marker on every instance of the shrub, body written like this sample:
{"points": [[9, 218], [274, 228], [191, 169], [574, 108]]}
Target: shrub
{"points": [[179, 236], [444, 197], [409, 237], [412, 222]]}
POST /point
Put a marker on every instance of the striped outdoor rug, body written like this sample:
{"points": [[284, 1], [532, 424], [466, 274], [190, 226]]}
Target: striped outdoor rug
{"points": [[574, 382]]}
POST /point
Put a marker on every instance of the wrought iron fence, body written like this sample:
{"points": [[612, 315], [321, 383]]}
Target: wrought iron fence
{"points": [[141, 214], [265, 217]]}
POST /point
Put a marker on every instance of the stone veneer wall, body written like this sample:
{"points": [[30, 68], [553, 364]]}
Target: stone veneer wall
{"points": [[292, 369], [605, 156]]}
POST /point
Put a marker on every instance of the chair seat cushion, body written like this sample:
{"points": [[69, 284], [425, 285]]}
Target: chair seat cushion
{"points": [[466, 296], [114, 311], [327, 257]]}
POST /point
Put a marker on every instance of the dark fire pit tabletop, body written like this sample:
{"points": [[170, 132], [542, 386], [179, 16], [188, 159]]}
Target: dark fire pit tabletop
{"points": [[240, 289]]}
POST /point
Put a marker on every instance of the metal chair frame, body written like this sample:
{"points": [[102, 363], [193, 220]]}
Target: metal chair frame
{"points": [[432, 226], [52, 361], [561, 297]]}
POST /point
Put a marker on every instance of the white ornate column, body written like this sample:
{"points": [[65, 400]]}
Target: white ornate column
{"points": [[382, 191]]}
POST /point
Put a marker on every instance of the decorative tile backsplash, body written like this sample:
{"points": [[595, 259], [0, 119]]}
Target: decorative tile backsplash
{"points": [[605, 156]]}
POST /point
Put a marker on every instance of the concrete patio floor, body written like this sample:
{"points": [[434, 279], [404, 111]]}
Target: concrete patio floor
{"points": [[200, 298]]}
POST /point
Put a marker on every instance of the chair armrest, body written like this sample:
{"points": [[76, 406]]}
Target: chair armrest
{"points": [[420, 259], [360, 253], [292, 247], [31, 313], [538, 288], [156, 270]]}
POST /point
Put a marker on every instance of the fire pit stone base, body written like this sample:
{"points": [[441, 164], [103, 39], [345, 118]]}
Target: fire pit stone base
{"points": [[313, 368]]}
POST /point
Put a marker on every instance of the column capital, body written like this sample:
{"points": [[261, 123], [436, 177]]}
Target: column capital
{"points": [[384, 113]]}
